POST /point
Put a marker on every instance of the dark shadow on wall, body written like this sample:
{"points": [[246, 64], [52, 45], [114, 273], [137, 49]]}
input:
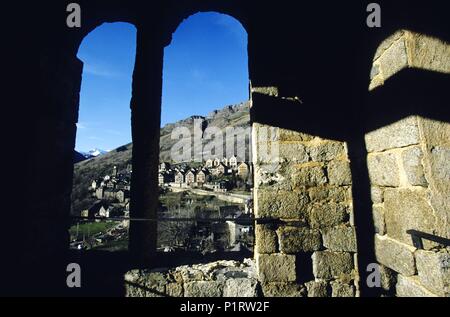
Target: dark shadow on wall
{"points": [[410, 92]]}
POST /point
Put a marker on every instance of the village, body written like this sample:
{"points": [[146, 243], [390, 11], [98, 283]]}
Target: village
{"points": [[211, 176], [216, 189]]}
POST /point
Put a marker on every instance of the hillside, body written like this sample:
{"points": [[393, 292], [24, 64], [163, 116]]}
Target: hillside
{"points": [[86, 171]]}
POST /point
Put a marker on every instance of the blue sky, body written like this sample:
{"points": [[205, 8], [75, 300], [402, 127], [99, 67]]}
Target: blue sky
{"points": [[205, 68]]}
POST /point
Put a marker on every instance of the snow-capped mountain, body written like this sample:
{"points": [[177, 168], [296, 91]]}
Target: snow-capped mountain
{"points": [[95, 152], [81, 156]]}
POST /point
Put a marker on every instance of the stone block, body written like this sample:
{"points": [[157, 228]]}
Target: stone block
{"points": [[289, 135], [317, 288], [174, 290], [393, 59], [341, 238], [327, 151], [329, 265], [412, 166], [327, 194], [283, 290], [298, 239], [395, 255], [271, 175], [309, 176], [281, 203], [399, 134], [410, 287], [292, 152], [276, 267], [406, 209], [339, 173], [132, 276], [270, 91], [266, 240], [377, 194], [142, 283], [136, 291], [203, 289], [388, 43], [328, 215], [342, 290], [383, 169], [240, 287], [378, 219], [440, 169], [428, 53], [435, 132], [434, 271]]}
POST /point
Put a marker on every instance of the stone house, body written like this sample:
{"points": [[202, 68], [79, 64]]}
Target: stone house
{"points": [[161, 178], [120, 196], [202, 176], [233, 162], [236, 232], [179, 177], [99, 209], [243, 170], [103, 212], [190, 177], [99, 193], [222, 169], [109, 194]]}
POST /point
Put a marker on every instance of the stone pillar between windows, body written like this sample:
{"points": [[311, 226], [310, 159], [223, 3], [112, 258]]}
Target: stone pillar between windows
{"points": [[145, 124]]}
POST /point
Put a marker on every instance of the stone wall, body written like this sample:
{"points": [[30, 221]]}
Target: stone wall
{"points": [[406, 49], [305, 241], [215, 279], [409, 170]]}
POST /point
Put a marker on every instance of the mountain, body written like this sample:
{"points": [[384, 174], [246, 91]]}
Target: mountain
{"points": [[82, 156], [78, 157], [236, 116], [93, 153], [96, 152]]}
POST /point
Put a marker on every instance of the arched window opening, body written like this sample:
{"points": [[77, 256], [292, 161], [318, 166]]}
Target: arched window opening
{"points": [[102, 158], [205, 171]]}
